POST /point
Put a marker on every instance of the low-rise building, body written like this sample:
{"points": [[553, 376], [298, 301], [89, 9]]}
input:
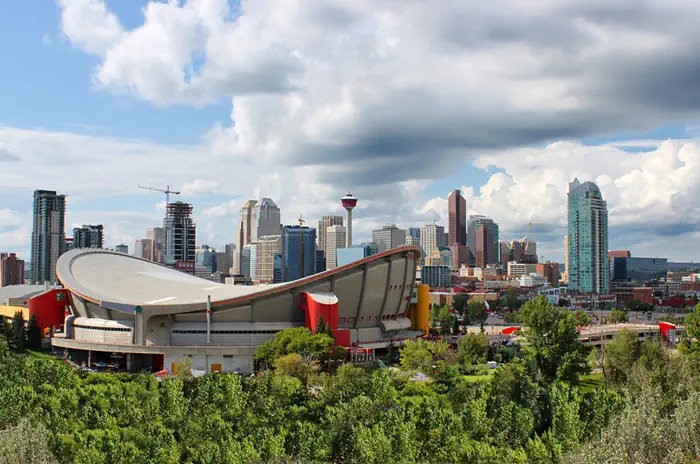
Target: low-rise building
{"points": [[532, 280], [439, 276], [516, 269]]}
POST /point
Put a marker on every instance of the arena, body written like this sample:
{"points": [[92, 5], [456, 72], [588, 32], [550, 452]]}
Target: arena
{"points": [[141, 315]]}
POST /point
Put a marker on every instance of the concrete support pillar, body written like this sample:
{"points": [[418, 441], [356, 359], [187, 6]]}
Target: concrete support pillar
{"points": [[208, 319], [348, 237]]}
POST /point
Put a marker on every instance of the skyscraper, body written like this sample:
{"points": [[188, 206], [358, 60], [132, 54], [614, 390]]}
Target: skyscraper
{"points": [[88, 236], [389, 237], [179, 233], [323, 224], [121, 248], [245, 262], [143, 248], [11, 270], [336, 238], [432, 236], [268, 247], [413, 232], [587, 269], [155, 234], [298, 252], [565, 274], [485, 247], [457, 211], [476, 221], [247, 231], [48, 234], [257, 220], [268, 218]]}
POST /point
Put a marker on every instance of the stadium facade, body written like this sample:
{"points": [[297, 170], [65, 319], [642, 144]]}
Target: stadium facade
{"points": [[150, 316]]}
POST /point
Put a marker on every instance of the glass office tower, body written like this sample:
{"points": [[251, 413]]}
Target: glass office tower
{"points": [[588, 271]]}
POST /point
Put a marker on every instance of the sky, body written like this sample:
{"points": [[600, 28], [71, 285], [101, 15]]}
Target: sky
{"points": [[398, 101]]}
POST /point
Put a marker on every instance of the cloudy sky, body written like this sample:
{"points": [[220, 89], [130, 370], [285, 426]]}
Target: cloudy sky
{"points": [[398, 101]]}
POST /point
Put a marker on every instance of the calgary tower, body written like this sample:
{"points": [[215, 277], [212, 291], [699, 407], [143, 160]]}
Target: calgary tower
{"points": [[349, 202]]}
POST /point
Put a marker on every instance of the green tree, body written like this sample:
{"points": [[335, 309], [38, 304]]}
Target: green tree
{"points": [[511, 299], [618, 316], [582, 318], [296, 340], [421, 355], [185, 370], [295, 365], [472, 349], [633, 304], [25, 443], [17, 338], [477, 313], [620, 355], [459, 304], [416, 355], [691, 344], [552, 341], [442, 319], [33, 334]]}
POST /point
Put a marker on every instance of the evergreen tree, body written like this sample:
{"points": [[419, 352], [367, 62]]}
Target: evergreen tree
{"points": [[5, 327], [33, 334], [17, 338]]}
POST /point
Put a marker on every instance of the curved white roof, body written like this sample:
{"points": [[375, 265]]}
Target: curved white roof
{"points": [[104, 275]]}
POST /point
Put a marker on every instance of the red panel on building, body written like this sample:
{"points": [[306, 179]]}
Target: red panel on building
{"points": [[49, 307], [325, 306]]}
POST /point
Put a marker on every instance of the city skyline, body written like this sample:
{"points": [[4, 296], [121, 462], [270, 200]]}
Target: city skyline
{"points": [[101, 114]]}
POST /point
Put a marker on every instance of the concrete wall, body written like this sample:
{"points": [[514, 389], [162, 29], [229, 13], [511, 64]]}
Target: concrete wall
{"points": [[229, 363]]}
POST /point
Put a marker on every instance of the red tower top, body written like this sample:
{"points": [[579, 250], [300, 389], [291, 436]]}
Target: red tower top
{"points": [[349, 202]]}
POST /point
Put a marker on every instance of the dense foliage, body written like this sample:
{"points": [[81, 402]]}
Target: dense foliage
{"points": [[533, 409]]}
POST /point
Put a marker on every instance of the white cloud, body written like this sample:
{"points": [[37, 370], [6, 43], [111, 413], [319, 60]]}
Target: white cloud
{"points": [[199, 187], [89, 25], [649, 194], [356, 87]]}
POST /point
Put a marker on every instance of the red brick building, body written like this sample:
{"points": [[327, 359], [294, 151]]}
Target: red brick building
{"points": [[11, 270]]}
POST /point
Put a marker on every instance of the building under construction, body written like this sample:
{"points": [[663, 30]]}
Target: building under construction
{"points": [[179, 232]]}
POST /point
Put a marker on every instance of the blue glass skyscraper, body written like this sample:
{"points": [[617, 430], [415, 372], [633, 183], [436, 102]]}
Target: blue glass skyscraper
{"points": [[588, 271], [292, 266]]}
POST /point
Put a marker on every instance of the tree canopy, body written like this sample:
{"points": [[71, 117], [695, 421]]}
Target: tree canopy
{"points": [[297, 340], [552, 341]]}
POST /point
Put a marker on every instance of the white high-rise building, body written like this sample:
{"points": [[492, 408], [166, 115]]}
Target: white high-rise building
{"points": [[335, 238], [257, 220], [432, 236], [268, 246], [323, 225], [247, 232]]}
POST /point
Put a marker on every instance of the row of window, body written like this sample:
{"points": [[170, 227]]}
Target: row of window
{"points": [[104, 329], [350, 320], [224, 332]]}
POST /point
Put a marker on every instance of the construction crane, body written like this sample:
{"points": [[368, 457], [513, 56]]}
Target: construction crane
{"points": [[167, 192]]}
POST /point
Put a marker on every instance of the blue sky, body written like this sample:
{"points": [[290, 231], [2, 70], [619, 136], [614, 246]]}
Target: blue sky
{"points": [[92, 103]]}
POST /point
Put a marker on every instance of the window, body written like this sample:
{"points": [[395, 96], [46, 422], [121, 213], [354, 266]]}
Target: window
{"points": [[104, 329]]}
